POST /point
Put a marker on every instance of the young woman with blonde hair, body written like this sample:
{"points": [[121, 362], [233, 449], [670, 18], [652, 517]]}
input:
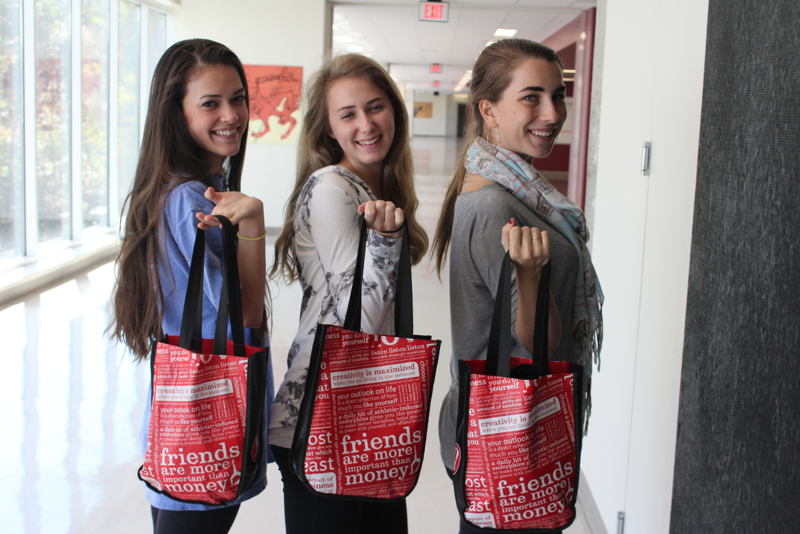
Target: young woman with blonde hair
{"points": [[497, 201], [353, 157]]}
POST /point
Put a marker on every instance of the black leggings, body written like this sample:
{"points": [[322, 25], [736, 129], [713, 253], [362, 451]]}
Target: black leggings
{"points": [[215, 521], [308, 512]]}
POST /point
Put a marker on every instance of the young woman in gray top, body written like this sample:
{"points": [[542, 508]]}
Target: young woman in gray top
{"points": [[497, 201]]}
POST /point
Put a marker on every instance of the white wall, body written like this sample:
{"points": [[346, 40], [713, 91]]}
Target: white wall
{"points": [[565, 136], [451, 121], [408, 98], [445, 113], [437, 124], [262, 32], [641, 246]]}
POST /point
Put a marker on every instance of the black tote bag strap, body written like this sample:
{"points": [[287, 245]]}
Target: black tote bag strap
{"points": [[403, 300], [230, 301], [498, 353], [232, 305], [541, 342], [352, 320], [192, 320]]}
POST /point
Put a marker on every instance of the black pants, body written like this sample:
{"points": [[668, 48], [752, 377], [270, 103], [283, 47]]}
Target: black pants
{"points": [[216, 521], [308, 512]]}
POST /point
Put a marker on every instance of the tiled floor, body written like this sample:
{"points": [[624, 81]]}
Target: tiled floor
{"points": [[72, 401]]}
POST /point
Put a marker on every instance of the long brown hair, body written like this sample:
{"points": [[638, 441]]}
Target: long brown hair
{"points": [[168, 157], [491, 75], [317, 150]]}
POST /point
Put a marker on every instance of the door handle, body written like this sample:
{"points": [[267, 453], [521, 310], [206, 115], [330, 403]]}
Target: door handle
{"points": [[646, 158]]}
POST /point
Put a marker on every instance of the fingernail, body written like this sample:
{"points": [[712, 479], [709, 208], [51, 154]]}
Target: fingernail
{"points": [[511, 221]]}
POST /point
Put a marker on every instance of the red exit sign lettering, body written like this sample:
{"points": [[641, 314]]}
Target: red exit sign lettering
{"points": [[434, 11]]}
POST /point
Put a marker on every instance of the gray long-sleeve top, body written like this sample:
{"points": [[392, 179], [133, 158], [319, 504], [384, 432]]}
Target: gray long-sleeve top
{"points": [[476, 255]]}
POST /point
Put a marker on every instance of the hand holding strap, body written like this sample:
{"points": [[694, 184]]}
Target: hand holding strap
{"points": [[498, 354], [403, 300]]}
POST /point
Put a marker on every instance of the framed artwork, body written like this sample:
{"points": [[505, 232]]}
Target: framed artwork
{"points": [[275, 93], [423, 110]]}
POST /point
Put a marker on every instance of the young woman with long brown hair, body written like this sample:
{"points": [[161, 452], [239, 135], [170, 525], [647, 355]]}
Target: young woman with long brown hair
{"points": [[354, 156], [189, 171], [497, 201]]}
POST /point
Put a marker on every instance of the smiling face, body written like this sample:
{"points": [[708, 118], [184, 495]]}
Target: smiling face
{"points": [[361, 119], [215, 110], [531, 112]]}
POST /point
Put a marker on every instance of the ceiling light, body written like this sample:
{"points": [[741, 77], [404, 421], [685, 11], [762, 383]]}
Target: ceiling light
{"points": [[343, 38], [335, 28], [505, 33], [355, 48], [568, 71], [488, 43]]}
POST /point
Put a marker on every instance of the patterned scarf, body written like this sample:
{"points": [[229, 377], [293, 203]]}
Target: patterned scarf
{"points": [[532, 189]]}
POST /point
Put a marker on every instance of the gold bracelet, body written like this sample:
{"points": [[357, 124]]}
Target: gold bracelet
{"points": [[259, 238]]}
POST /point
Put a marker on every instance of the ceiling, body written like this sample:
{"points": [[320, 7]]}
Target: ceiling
{"points": [[390, 32]]}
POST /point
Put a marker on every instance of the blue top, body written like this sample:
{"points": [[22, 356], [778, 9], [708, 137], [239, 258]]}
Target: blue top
{"points": [[178, 227]]}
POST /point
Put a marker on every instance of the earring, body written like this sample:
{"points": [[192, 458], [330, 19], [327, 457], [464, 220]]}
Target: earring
{"points": [[496, 132]]}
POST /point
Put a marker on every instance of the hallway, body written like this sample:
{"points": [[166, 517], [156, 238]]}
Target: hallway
{"points": [[73, 400]]}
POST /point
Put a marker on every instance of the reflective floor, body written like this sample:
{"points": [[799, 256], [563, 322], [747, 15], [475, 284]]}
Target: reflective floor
{"points": [[72, 402]]}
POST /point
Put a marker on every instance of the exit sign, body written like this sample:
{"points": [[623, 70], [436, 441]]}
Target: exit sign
{"points": [[434, 11]]}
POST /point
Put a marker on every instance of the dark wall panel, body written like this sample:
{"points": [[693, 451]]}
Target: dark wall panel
{"points": [[737, 465]]}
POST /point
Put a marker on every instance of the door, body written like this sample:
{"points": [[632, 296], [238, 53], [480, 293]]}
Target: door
{"points": [[652, 80]]}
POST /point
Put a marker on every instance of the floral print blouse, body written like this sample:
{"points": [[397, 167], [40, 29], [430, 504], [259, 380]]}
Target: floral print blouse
{"points": [[325, 247]]}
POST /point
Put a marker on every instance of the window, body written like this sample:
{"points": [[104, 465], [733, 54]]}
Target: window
{"points": [[12, 168], [94, 115], [128, 104], [157, 37], [71, 104], [52, 98]]}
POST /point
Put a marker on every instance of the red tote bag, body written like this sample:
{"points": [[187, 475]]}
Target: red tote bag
{"points": [[364, 415], [518, 433], [204, 439]]}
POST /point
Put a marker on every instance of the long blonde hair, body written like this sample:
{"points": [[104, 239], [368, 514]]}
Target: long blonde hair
{"points": [[316, 150], [491, 75]]}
